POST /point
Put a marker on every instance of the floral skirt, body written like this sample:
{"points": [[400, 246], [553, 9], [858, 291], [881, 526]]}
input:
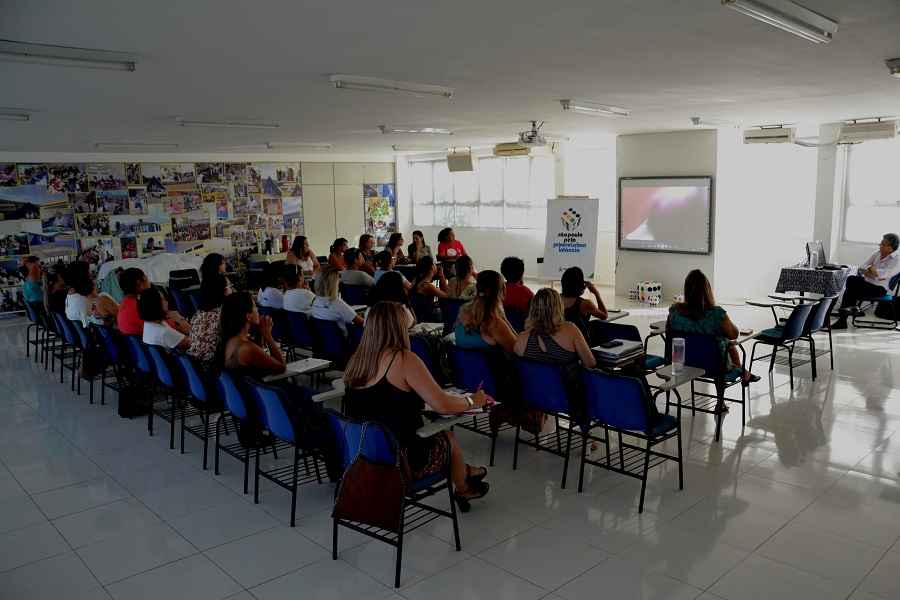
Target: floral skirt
{"points": [[430, 455]]}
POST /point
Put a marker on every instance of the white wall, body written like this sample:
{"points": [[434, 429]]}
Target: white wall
{"points": [[664, 154], [765, 205]]}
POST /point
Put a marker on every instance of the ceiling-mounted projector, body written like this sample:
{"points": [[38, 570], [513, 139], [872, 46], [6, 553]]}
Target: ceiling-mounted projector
{"points": [[769, 135], [853, 133]]}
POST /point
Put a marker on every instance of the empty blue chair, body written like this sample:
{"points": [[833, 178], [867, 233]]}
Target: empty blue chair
{"points": [[112, 359], [622, 404], [329, 342], [544, 389], [376, 444], [355, 294], [449, 312], [182, 303], [783, 336], [159, 360], [200, 402], [470, 369], [68, 347]]}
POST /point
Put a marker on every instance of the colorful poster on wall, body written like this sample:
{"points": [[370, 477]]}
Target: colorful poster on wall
{"points": [[272, 205], [222, 209], [161, 175], [210, 173], [276, 225], [96, 250], [14, 244], [380, 211], [67, 178], [32, 174], [23, 201], [138, 201], [93, 225], [113, 202], [136, 224], [236, 172], [129, 246], [190, 227], [57, 217], [133, 175], [152, 243], [257, 221], [254, 204], [83, 203], [46, 246], [293, 211], [106, 176], [213, 193], [239, 189], [9, 177], [241, 237], [290, 190]]}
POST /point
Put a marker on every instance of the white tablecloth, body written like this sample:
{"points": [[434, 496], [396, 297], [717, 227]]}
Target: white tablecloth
{"points": [[156, 267]]}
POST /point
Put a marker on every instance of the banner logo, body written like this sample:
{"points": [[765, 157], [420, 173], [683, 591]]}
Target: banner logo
{"points": [[571, 220]]}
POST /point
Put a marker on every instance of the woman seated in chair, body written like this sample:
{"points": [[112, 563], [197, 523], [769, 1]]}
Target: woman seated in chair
{"points": [[548, 337], [205, 323], [482, 322], [153, 309], [328, 305], [301, 255], [388, 383], [463, 284], [699, 314], [579, 310], [424, 294], [83, 303], [390, 288], [271, 294], [395, 248]]}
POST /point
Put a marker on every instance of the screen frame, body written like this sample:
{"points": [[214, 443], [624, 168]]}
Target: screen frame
{"points": [[712, 212]]}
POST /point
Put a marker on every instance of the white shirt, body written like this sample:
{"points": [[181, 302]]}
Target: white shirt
{"points": [[333, 310], [356, 277], [78, 308], [886, 268], [270, 297], [298, 300], [160, 334]]}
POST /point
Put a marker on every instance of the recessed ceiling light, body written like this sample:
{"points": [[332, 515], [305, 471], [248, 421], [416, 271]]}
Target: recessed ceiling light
{"points": [[14, 116], [788, 16], [586, 107], [297, 146], [227, 124], [893, 65], [134, 145], [65, 56], [374, 84], [423, 130]]}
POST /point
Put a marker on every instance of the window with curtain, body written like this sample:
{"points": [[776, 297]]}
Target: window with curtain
{"points": [[871, 193], [501, 193]]}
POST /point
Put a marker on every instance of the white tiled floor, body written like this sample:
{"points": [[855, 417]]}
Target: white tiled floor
{"points": [[803, 503]]}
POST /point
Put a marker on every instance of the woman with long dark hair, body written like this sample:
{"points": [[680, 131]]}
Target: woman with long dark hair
{"points": [[153, 310], [462, 285], [391, 288], [395, 247], [206, 322], [423, 294], [367, 251], [237, 351], [336, 254], [698, 313], [301, 255], [482, 322], [418, 248], [579, 310]]}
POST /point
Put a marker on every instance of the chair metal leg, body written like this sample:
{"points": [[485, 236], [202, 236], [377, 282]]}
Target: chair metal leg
{"points": [[830, 349], [256, 478], [399, 547], [680, 457], [246, 468], [172, 407], [205, 417], [516, 449], [294, 486], [790, 350], [453, 514], [183, 419], [584, 445], [216, 458], [566, 459], [334, 535], [644, 478], [494, 437], [812, 353], [772, 360]]}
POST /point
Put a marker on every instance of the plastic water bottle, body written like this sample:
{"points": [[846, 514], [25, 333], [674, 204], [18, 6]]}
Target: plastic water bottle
{"points": [[813, 260], [677, 355]]}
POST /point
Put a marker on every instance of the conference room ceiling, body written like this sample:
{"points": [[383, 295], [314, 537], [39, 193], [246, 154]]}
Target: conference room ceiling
{"points": [[509, 62]]}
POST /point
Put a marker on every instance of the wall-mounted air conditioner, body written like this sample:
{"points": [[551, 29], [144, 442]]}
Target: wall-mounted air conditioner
{"points": [[853, 133], [769, 135]]}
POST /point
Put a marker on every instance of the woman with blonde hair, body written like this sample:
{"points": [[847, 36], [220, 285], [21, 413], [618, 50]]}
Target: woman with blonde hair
{"points": [[388, 383], [482, 322], [548, 337], [328, 305]]}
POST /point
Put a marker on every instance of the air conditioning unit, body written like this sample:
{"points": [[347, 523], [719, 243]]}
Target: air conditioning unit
{"points": [[511, 149], [852, 133], [769, 135], [459, 160]]}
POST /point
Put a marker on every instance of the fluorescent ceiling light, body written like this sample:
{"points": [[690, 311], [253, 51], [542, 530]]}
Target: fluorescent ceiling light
{"points": [[11, 116], [296, 146], [586, 107], [893, 66], [401, 148], [133, 145], [701, 122], [65, 56], [424, 130], [788, 16], [374, 84], [227, 124]]}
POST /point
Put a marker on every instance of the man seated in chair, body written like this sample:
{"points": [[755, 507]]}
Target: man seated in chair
{"points": [[872, 280]]}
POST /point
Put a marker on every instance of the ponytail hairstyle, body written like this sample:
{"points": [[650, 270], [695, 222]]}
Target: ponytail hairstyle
{"points": [[488, 302]]}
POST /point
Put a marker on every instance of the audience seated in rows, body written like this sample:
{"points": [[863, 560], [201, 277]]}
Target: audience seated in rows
{"points": [[301, 255], [205, 324], [462, 285], [353, 274], [549, 338], [388, 383], [517, 294], [418, 248], [133, 282], [237, 352], [424, 294], [162, 327], [83, 303], [384, 263], [328, 304]]}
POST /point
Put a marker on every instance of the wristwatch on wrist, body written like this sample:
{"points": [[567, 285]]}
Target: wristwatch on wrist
{"points": [[469, 400]]}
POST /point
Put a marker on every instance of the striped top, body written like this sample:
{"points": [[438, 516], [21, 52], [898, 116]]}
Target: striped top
{"points": [[554, 353]]}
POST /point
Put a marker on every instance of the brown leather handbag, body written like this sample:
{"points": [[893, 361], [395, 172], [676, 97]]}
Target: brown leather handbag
{"points": [[371, 493]]}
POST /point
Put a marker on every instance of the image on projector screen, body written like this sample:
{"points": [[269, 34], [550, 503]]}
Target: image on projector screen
{"points": [[667, 215]]}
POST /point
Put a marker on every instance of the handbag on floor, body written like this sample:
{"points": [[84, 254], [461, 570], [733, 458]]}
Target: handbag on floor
{"points": [[371, 493]]}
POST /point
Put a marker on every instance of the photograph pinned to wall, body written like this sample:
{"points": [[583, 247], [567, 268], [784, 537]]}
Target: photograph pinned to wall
{"points": [[135, 224], [297, 227], [241, 237], [213, 193], [14, 244], [113, 202], [210, 173], [32, 174], [279, 172], [240, 206], [290, 189], [23, 201], [133, 174], [46, 246], [138, 201], [222, 212], [57, 217], [239, 189], [95, 225], [222, 230], [254, 204], [292, 208], [106, 176], [276, 225], [153, 243], [272, 205], [270, 187], [182, 202], [257, 221], [190, 227], [168, 174], [159, 198], [69, 177], [380, 211], [83, 203], [9, 176], [96, 250], [128, 246], [254, 174], [236, 172]]}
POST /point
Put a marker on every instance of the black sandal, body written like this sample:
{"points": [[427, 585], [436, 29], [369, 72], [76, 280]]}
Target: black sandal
{"points": [[479, 490]]}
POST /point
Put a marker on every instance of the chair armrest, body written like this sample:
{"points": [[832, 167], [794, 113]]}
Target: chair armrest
{"points": [[672, 380]]}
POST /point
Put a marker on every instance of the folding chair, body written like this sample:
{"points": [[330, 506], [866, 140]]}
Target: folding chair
{"points": [[376, 444], [470, 370], [783, 336], [544, 389], [622, 404]]}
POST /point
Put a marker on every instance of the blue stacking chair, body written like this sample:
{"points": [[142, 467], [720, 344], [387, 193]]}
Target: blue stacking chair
{"points": [[604, 331], [159, 360], [182, 303], [138, 360], [300, 329], [543, 389], [112, 360], [469, 371], [449, 312], [704, 352], [270, 402], [84, 345], [35, 324], [201, 402], [354, 336], [420, 348], [783, 336], [516, 318], [622, 404], [329, 342], [376, 444], [424, 308], [819, 320], [888, 298], [355, 294], [67, 350]]}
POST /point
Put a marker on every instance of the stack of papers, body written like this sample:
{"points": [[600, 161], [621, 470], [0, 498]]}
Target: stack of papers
{"points": [[627, 349]]}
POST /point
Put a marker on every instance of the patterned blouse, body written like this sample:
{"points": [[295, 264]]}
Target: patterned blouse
{"points": [[205, 336]]}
